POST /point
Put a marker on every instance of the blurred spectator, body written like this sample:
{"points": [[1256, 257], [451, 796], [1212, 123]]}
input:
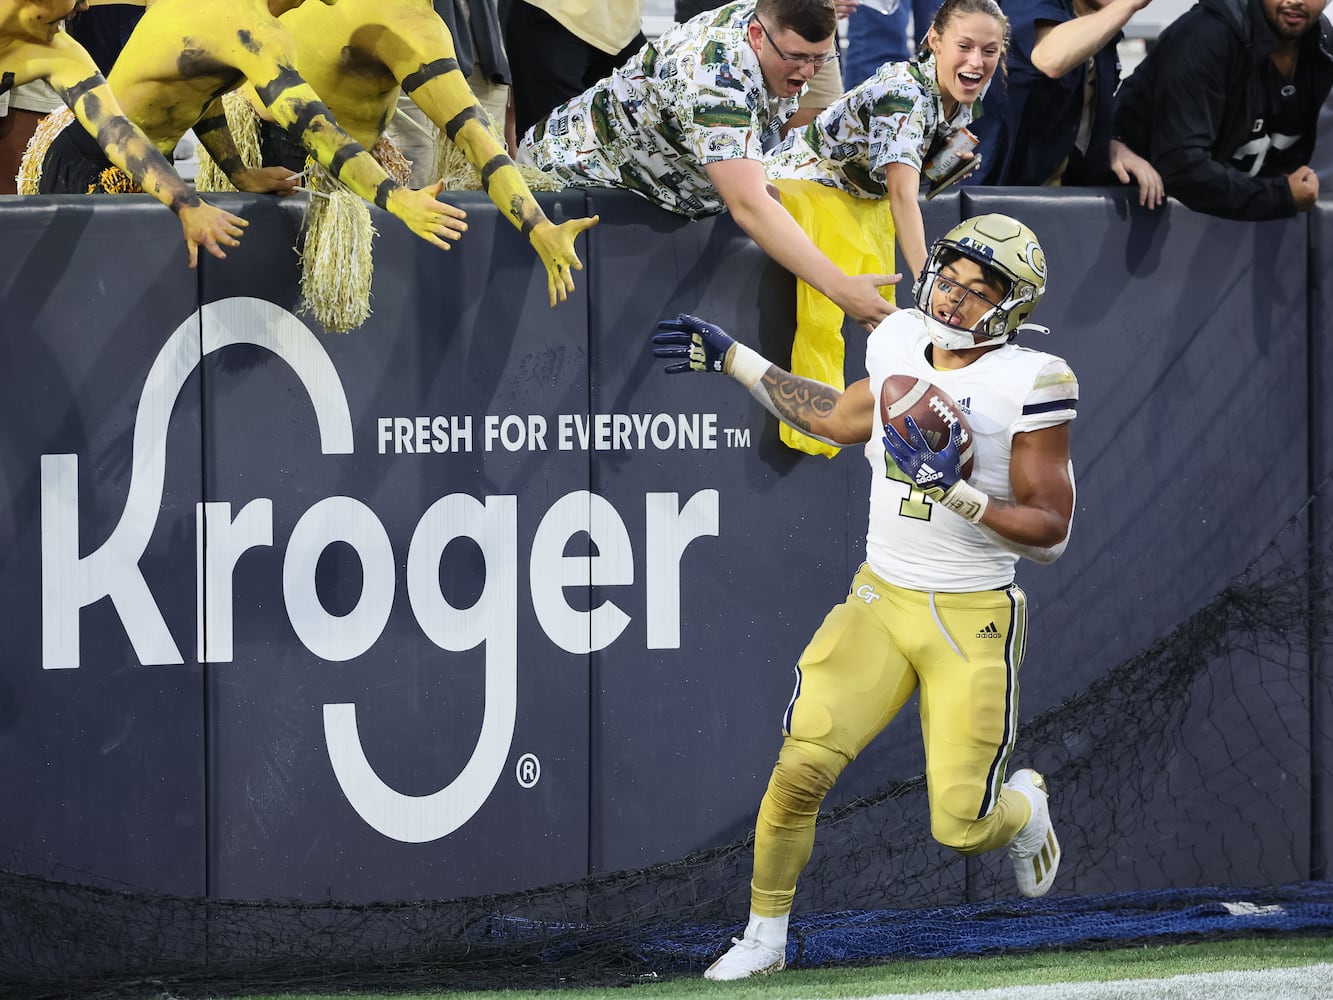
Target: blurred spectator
{"points": [[1226, 105], [686, 9], [559, 48], [686, 124], [1048, 118], [104, 28], [479, 44], [882, 31], [23, 109]]}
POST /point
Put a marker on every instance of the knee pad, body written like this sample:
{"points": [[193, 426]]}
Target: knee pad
{"points": [[802, 776]]}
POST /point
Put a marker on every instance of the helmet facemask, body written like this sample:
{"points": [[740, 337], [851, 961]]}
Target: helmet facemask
{"points": [[1013, 270]]}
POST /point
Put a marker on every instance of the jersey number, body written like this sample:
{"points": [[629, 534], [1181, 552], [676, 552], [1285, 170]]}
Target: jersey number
{"points": [[916, 504]]}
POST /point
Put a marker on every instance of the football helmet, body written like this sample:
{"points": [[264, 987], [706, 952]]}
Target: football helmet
{"points": [[1009, 251]]}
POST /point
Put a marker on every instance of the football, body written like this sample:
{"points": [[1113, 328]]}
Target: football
{"points": [[932, 409]]}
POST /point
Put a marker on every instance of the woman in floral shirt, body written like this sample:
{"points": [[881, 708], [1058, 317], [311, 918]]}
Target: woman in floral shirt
{"points": [[874, 140]]}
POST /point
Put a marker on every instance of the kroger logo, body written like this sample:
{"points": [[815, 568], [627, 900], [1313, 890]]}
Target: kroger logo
{"points": [[71, 582]]}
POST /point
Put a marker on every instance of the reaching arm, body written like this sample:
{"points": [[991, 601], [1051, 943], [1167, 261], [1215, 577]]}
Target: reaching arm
{"points": [[904, 184], [423, 62], [214, 134], [268, 61], [1171, 111], [1061, 48], [742, 185], [819, 410], [76, 79]]}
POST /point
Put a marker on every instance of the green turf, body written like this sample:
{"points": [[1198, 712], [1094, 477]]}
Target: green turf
{"points": [[1144, 962]]}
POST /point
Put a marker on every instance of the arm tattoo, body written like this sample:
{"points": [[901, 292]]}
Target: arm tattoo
{"points": [[799, 401]]}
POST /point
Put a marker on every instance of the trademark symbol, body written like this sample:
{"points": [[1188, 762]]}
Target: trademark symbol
{"points": [[528, 770]]}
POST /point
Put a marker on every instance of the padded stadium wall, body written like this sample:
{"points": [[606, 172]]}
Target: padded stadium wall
{"points": [[475, 599]]}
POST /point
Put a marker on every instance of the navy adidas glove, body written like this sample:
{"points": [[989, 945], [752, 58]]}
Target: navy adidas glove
{"points": [[702, 345], [933, 472]]}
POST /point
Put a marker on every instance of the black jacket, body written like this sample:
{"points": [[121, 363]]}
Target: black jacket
{"points": [[1194, 100]]}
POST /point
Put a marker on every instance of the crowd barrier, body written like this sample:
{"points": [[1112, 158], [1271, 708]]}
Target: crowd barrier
{"points": [[475, 598]]}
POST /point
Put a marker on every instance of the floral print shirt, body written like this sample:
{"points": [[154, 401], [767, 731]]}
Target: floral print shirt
{"points": [[896, 116], [695, 96]]}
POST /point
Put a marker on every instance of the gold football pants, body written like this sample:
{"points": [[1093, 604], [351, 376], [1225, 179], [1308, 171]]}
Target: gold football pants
{"points": [[867, 658]]}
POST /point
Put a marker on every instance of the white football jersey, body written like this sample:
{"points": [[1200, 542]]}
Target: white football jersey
{"points": [[912, 541]]}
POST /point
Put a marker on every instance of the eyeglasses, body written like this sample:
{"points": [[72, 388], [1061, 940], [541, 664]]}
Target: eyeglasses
{"points": [[815, 61]]}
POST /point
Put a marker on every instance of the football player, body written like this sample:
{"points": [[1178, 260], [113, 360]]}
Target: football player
{"points": [[934, 607]]}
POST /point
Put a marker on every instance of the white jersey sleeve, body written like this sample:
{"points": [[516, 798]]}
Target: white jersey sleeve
{"points": [[1010, 390]]}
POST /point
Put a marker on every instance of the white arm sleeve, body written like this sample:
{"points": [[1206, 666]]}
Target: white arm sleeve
{"points": [[748, 367]]}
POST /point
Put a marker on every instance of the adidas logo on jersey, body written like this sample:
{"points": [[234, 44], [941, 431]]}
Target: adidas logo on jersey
{"points": [[965, 404], [989, 632]]}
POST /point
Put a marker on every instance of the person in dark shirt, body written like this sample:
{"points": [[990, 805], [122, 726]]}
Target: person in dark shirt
{"points": [[1048, 117], [1226, 106]]}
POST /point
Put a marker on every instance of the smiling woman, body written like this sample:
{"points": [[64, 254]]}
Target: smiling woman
{"points": [[873, 142]]}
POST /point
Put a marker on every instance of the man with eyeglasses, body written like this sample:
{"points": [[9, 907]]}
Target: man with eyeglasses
{"points": [[686, 122]]}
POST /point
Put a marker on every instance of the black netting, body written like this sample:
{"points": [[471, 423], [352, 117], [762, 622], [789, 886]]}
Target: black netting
{"points": [[1209, 743]]}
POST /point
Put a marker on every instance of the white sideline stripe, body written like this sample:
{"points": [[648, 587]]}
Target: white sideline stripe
{"points": [[1308, 982]]}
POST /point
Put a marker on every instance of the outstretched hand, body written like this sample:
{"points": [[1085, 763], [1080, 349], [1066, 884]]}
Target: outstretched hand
{"points": [[267, 180], [1128, 165], [703, 346], [434, 221], [555, 246], [210, 227], [860, 298], [932, 472]]}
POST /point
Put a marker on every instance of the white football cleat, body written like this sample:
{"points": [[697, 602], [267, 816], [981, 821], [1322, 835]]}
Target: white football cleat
{"points": [[1034, 850], [747, 957]]}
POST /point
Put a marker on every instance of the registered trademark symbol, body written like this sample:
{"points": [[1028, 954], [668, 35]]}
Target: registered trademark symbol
{"points": [[528, 771]]}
